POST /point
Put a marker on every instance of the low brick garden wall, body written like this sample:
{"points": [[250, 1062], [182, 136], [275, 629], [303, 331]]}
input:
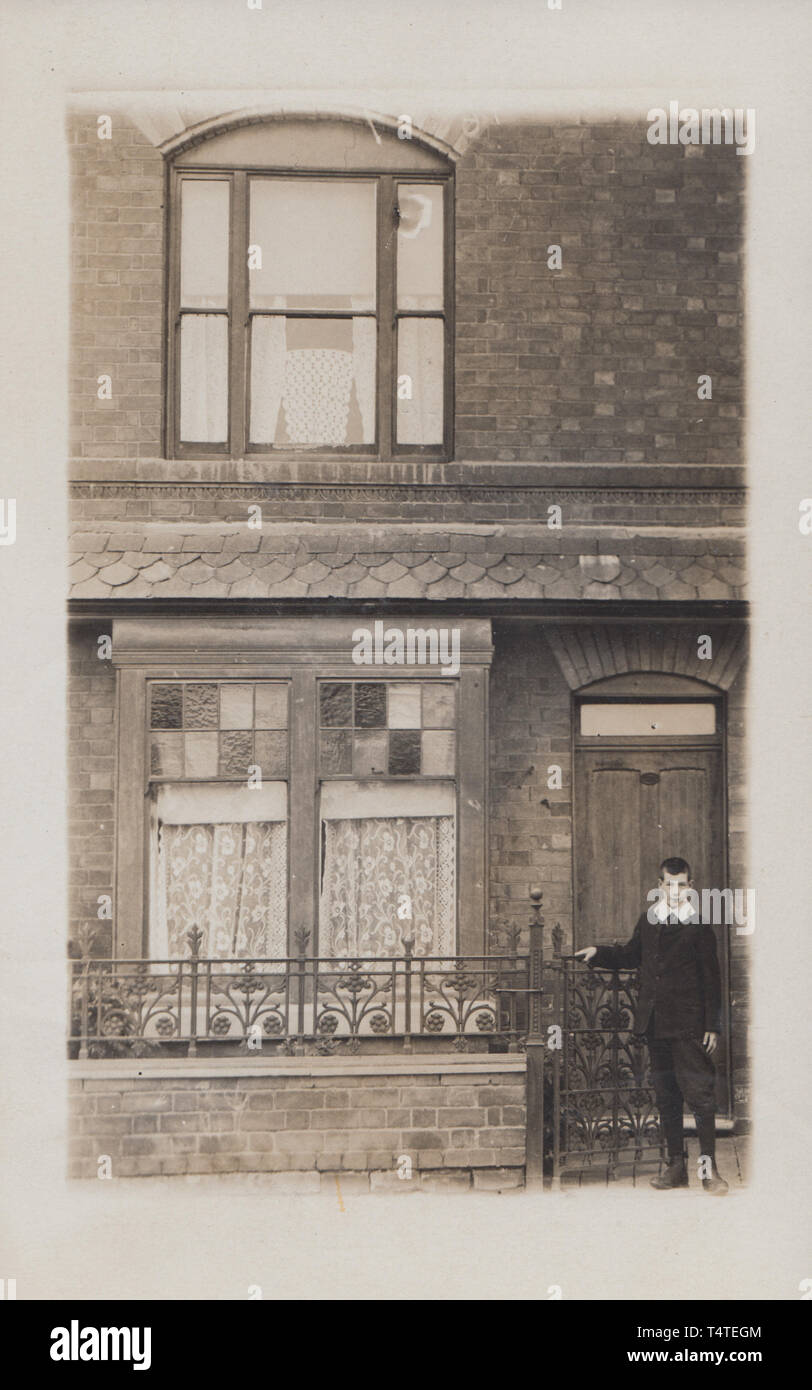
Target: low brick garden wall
{"points": [[453, 1116]]}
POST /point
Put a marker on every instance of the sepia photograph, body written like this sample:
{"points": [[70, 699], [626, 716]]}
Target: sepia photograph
{"points": [[420, 733]]}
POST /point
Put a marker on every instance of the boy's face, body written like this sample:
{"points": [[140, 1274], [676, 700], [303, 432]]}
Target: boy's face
{"points": [[675, 887]]}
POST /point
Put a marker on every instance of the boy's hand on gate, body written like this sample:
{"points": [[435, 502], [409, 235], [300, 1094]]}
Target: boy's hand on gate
{"points": [[586, 953], [709, 1042]]}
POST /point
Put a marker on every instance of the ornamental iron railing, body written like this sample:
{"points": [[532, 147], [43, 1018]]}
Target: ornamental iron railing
{"points": [[294, 1004], [589, 1104]]}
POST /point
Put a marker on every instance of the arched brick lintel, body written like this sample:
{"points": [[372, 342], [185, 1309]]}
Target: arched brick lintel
{"points": [[587, 654], [442, 137]]}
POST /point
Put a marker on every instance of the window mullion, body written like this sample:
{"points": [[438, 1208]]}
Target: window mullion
{"points": [[238, 396], [386, 314]]}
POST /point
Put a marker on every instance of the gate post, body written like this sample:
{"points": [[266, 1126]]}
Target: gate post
{"points": [[534, 1135]]}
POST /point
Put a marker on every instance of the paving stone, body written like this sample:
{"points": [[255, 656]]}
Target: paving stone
{"points": [[411, 558], [638, 589], [562, 588], [714, 588], [490, 559], [203, 540], [275, 571], [329, 588], [527, 588], [137, 559], [696, 574], [89, 540]]}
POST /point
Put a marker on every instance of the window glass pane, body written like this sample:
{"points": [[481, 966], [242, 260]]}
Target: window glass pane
{"points": [[404, 752], [271, 706], [201, 755], [204, 243], [220, 865], [271, 753], [420, 246], [166, 755], [370, 705], [236, 753], [642, 720], [204, 378], [439, 707], [312, 381], [200, 706], [404, 706], [370, 754], [335, 747], [166, 706], [439, 754], [236, 706], [336, 704], [420, 381], [369, 864], [316, 238]]}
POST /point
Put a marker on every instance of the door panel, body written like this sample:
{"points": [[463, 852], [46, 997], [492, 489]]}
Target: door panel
{"points": [[634, 807]]}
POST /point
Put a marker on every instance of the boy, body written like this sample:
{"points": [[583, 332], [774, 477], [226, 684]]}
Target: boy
{"points": [[679, 1012]]}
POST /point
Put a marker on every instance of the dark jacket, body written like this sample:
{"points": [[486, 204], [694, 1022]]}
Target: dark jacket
{"points": [[680, 984]]}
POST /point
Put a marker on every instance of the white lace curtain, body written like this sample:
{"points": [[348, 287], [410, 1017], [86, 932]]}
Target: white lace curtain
{"points": [[375, 866], [216, 870]]}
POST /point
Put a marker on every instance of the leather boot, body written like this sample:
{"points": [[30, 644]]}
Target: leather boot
{"points": [[715, 1184], [675, 1174]]}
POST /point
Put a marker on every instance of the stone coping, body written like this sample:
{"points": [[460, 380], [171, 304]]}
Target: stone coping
{"points": [[365, 472], [198, 1068]]}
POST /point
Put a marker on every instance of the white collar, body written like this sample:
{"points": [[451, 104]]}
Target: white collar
{"points": [[662, 910]]}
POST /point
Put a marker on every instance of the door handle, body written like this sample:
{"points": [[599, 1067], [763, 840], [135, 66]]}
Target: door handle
{"points": [[649, 779]]}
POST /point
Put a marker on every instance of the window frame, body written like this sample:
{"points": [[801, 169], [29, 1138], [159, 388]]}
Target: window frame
{"points": [[386, 314], [192, 655]]}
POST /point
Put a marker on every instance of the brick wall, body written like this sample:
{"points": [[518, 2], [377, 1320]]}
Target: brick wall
{"points": [[595, 362], [92, 764], [598, 361], [331, 1123], [117, 279]]}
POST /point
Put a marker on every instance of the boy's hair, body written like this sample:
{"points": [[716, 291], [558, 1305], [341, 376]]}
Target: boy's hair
{"points": [[675, 866]]}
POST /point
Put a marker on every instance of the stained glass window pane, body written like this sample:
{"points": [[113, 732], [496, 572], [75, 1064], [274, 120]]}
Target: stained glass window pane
{"points": [[201, 755], [317, 239], [166, 755], [235, 753], [271, 753], [204, 243], [420, 381], [439, 707], [404, 706], [236, 706], [404, 752], [336, 751], [370, 705], [200, 706], [439, 753], [420, 246], [336, 704], [371, 754], [166, 706], [271, 706], [204, 378]]}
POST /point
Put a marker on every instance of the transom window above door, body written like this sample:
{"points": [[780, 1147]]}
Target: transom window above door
{"points": [[309, 309]]}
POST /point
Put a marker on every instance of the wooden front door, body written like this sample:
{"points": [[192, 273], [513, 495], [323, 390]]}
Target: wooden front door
{"points": [[635, 805]]}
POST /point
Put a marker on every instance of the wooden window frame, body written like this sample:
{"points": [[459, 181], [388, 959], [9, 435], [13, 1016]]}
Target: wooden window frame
{"points": [[386, 315], [303, 675]]}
